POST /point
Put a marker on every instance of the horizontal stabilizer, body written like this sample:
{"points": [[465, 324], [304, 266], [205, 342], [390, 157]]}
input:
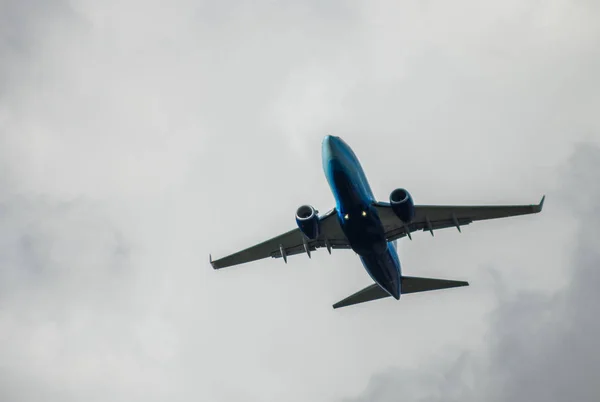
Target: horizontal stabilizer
{"points": [[413, 284], [369, 293], [410, 284]]}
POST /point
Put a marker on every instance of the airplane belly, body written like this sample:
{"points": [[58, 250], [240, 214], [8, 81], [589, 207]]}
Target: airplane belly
{"points": [[359, 220], [384, 269], [364, 231]]}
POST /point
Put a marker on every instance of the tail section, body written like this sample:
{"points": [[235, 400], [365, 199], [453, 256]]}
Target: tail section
{"points": [[410, 284]]}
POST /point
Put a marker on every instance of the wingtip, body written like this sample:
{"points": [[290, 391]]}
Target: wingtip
{"points": [[212, 264], [541, 204]]}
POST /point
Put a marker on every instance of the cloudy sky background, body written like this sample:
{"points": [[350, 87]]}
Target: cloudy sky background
{"points": [[136, 138]]}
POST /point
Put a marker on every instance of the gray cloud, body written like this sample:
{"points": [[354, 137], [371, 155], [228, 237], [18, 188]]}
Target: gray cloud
{"points": [[542, 347], [22, 28], [135, 139]]}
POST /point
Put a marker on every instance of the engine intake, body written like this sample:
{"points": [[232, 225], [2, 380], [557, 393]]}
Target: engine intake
{"points": [[308, 221], [402, 204]]}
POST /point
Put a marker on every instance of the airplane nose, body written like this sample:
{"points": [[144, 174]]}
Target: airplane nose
{"points": [[332, 150], [330, 142]]}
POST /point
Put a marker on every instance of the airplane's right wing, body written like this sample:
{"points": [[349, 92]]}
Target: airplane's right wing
{"points": [[433, 217], [290, 243]]}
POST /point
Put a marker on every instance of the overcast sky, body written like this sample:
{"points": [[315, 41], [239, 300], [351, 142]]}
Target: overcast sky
{"points": [[136, 139]]}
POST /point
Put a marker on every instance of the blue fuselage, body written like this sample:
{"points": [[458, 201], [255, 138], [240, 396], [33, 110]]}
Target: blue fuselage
{"points": [[357, 216]]}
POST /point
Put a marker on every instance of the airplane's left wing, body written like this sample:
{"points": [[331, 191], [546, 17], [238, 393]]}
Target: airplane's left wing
{"points": [[434, 217], [290, 243]]}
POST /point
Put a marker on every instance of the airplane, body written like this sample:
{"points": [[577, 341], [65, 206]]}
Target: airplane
{"points": [[369, 227]]}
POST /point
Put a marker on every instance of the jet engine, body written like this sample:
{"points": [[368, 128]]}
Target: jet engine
{"points": [[308, 221], [402, 205]]}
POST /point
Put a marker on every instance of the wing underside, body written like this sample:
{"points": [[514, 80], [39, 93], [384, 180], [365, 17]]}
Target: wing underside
{"points": [[434, 217], [290, 243]]}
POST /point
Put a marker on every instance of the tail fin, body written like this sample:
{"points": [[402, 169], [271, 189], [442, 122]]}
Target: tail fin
{"points": [[410, 284]]}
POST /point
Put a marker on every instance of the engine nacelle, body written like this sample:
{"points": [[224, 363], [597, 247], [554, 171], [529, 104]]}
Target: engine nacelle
{"points": [[402, 204], [308, 221]]}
